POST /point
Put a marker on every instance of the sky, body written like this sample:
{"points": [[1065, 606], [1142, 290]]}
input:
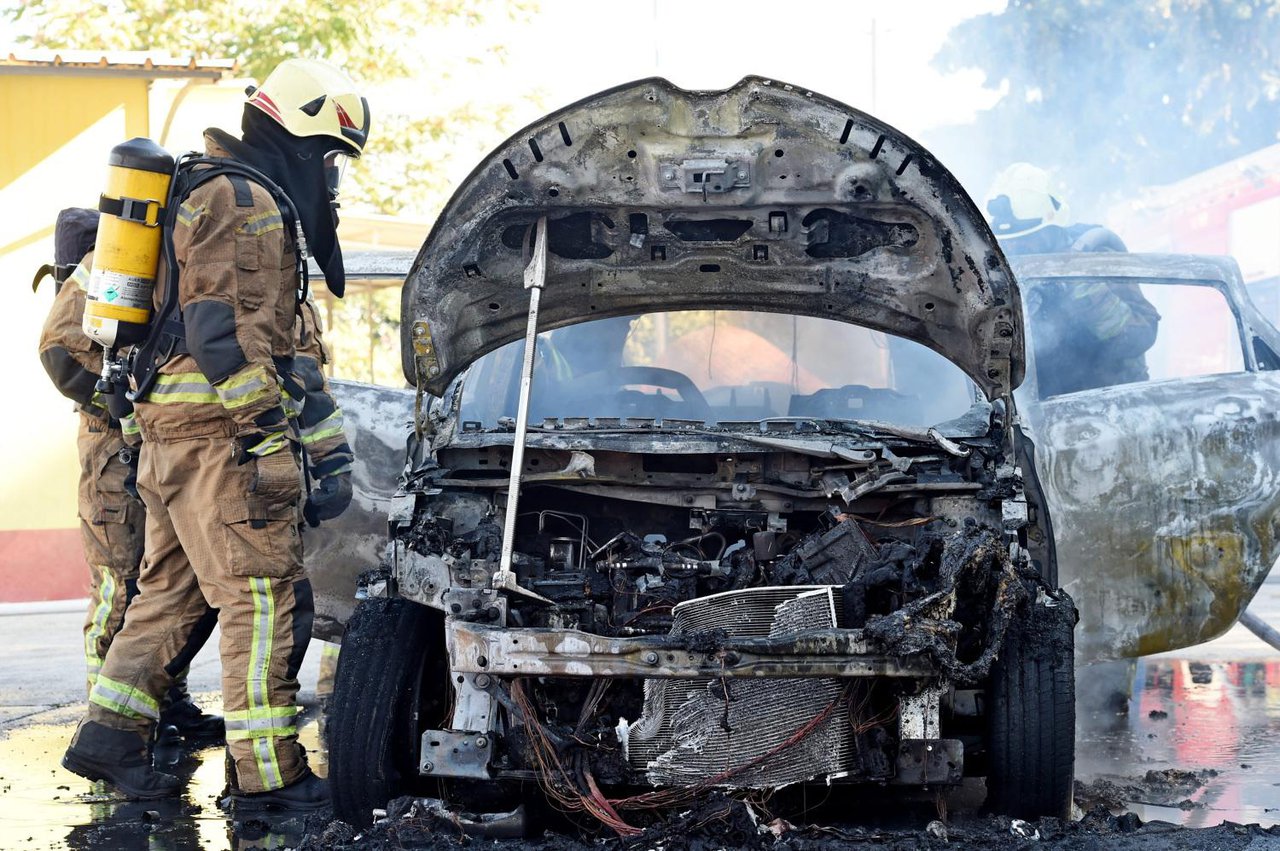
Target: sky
{"points": [[874, 56], [574, 47]]}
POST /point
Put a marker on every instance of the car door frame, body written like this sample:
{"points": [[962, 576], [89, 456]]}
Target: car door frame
{"points": [[1144, 585]]}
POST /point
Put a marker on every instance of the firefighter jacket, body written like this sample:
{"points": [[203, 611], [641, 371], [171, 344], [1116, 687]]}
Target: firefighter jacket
{"points": [[320, 420], [237, 290], [72, 360], [1091, 334]]}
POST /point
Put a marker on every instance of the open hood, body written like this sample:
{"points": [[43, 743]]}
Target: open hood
{"points": [[761, 197]]}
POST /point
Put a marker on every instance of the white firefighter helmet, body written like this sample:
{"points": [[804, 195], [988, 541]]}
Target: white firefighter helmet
{"points": [[309, 97], [1021, 201]]}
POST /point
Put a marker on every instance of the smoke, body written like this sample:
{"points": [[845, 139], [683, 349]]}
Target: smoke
{"points": [[1114, 97]]}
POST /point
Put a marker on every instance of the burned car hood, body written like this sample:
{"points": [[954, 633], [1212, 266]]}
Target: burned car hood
{"points": [[762, 197]]}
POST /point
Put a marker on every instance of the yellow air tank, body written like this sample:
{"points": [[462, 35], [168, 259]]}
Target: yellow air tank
{"points": [[127, 252]]}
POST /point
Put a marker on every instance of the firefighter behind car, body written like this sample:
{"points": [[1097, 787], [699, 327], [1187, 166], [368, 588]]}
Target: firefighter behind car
{"points": [[111, 515], [221, 474], [1086, 335]]}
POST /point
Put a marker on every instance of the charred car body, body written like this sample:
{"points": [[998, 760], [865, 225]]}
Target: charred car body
{"points": [[775, 523]]}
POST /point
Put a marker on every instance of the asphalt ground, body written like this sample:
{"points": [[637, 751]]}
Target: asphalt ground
{"points": [[1197, 745]]}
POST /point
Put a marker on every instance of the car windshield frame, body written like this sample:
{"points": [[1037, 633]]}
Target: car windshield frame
{"points": [[964, 400]]}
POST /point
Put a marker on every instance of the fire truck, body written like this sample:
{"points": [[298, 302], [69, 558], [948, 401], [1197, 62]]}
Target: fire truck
{"points": [[1230, 209]]}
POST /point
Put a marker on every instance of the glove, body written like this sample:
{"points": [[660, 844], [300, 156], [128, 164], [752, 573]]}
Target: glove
{"points": [[118, 405], [330, 498], [259, 444]]}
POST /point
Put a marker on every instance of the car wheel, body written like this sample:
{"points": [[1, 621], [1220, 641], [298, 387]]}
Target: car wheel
{"points": [[385, 693], [1031, 727]]}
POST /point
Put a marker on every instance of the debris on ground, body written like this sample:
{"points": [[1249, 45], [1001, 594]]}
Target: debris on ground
{"points": [[1171, 787], [720, 821]]}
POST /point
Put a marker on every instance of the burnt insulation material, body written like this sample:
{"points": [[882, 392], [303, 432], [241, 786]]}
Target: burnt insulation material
{"points": [[976, 574]]}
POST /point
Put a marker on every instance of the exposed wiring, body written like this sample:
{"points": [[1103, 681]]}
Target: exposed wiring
{"points": [[577, 790]]}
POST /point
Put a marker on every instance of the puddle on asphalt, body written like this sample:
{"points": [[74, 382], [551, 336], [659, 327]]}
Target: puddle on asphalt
{"points": [[1220, 720], [43, 806]]}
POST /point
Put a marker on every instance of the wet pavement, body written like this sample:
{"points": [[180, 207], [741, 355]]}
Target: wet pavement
{"points": [[43, 806], [1212, 713], [1213, 710]]}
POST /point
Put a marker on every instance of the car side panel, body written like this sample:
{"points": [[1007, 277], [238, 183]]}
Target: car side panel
{"points": [[1165, 499], [377, 422]]}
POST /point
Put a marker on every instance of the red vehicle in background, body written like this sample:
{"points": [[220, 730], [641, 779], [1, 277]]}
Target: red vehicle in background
{"points": [[1231, 209]]}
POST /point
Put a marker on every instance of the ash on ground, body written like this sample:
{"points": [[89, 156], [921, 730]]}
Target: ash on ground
{"points": [[721, 822]]}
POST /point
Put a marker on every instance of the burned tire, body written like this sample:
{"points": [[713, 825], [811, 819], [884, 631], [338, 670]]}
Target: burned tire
{"points": [[385, 692], [1031, 731]]}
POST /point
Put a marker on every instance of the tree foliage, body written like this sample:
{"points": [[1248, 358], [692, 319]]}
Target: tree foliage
{"points": [[374, 41], [1117, 94]]}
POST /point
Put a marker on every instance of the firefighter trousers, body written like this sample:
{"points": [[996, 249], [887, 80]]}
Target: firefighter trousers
{"points": [[111, 532], [225, 533]]}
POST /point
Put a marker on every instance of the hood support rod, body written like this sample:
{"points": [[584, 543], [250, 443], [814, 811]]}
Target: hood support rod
{"points": [[535, 278]]}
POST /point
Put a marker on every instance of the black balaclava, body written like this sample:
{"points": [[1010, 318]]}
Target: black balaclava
{"points": [[296, 164]]}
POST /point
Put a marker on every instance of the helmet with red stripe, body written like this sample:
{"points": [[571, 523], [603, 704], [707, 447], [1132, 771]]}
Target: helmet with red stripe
{"points": [[308, 97]]}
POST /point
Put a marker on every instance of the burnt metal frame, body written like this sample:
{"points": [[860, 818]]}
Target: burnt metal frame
{"points": [[503, 651]]}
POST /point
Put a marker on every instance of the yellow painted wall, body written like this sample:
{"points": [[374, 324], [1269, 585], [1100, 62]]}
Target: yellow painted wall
{"points": [[58, 131]]}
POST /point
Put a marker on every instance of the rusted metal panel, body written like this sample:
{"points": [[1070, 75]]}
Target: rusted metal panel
{"points": [[1163, 494], [1165, 499], [762, 196]]}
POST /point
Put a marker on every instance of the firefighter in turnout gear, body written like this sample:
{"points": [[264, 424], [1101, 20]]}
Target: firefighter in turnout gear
{"points": [[1086, 335], [221, 472], [112, 516]]}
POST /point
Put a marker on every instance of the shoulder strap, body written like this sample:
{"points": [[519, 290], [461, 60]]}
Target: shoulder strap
{"points": [[244, 195], [168, 334]]}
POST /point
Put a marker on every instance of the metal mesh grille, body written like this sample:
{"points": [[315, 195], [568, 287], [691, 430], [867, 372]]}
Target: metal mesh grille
{"points": [[689, 732], [748, 613]]}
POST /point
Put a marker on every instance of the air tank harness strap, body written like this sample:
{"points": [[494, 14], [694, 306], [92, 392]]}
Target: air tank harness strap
{"points": [[148, 212], [168, 333], [60, 275]]}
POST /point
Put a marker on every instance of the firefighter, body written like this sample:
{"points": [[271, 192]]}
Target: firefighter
{"points": [[221, 474], [111, 514], [1087, 335]]}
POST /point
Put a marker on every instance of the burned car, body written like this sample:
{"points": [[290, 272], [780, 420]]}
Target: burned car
{"points": [[715, 482]]}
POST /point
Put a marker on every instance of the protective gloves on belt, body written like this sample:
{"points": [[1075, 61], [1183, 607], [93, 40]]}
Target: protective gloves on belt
{"points": [[330, 498], [269, 437]]}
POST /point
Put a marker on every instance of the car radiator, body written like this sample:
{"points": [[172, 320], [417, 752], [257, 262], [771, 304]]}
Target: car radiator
{"points": [[689, 734]]}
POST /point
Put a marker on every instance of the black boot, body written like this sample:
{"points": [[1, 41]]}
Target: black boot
{"points": [[192, 723], [308, 792], [120, 758]]}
